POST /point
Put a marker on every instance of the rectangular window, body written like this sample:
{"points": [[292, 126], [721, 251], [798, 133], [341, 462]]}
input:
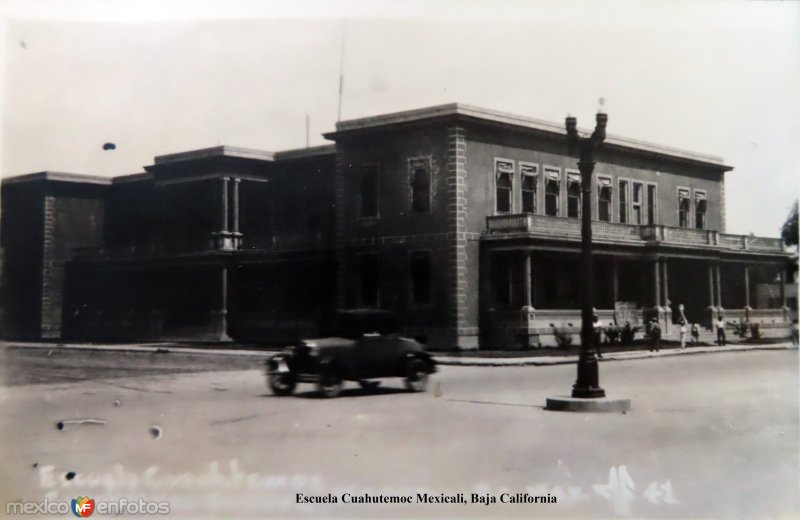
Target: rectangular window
{"points": [[623, 202], [368, 296], [604, 199], [700, 204], [420, 270], [651, 204], [552, 188], [420, 178], [504, 175], [530, 178], [573, 194], [636, 203], [683, 207]]}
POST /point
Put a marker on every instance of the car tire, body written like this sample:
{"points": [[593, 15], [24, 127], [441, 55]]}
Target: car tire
{"points": [[417, 375], [282, 384], [330, 383]]}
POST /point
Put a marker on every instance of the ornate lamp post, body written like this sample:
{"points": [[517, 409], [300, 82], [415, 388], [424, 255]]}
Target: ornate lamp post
{"points": [[588, 382]]}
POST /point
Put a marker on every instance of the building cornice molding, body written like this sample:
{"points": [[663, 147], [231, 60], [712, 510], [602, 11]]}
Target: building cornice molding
{"points": [[484, 115]]}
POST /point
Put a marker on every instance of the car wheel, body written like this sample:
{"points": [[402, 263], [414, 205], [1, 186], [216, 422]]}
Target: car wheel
{"points": [[282, 384], [417, 375], [330, 383]]}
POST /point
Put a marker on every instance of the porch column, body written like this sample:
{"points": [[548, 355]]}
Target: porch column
{"points": [[747, 286], [615, 279], [235, 203], [528, 259], [782, 276], [656, 283], [666, 282], [711, 293], [224, 205], [718, 278], [220, 316]]}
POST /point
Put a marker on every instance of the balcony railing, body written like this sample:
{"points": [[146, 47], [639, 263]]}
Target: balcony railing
{"points": [[570, 229], [160, 248]]}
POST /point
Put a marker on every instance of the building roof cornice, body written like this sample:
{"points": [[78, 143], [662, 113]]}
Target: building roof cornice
{"points": [[215, 151], [58, 177], [512, 120]]}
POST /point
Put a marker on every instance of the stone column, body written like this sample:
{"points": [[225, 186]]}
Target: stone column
{"points": [[782, 276], [718, 278], [666, 281], [219, 326], [656, 283], [235, 204], [528, 259], [223, 226], [711, 293], [747, 286]]}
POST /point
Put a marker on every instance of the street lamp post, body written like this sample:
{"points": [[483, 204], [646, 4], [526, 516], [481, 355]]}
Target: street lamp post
{"points": [[588, 382]]}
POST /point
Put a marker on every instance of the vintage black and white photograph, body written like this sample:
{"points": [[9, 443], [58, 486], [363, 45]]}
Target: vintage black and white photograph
{"points": [[444, 259]]}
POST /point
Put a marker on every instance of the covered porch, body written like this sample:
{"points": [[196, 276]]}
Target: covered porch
{"points": [[531, 285]]}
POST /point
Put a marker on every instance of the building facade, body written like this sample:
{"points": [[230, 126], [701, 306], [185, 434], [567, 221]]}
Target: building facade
{"points": [[464, 221]]}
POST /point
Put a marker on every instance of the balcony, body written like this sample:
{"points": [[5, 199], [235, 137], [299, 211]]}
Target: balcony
{"points": [[570, 229]]}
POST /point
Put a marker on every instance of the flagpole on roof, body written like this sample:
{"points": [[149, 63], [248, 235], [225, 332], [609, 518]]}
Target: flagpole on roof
{"points": [[341, 73]]}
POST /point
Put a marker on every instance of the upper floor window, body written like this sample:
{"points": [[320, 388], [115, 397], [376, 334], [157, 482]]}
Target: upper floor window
{"points": [[636, 203], [604, 199], [700, 209], [623, 201], [684, 203], [573, 194], [530, 177], [651, 204], [504, 175], [368, 192], [420, 270], [420, 179], [552, 184]]}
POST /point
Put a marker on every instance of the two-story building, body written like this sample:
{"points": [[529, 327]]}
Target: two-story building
{"points": [[462, 220]]}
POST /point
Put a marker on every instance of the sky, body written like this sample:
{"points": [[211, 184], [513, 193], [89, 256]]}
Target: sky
{"points": [[158, 77]]}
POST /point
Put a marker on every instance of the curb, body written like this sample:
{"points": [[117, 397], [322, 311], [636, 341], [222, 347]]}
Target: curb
{"points": [[619, 356], [153, 348]]}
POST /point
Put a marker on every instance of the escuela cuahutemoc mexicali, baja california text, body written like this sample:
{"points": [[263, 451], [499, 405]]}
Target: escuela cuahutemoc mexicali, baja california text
{"points": [[427, 498]]}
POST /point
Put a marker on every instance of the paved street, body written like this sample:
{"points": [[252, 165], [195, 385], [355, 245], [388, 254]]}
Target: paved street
{"points": [[712, 435]]}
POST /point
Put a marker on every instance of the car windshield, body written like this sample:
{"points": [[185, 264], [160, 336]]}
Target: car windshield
{"points": [[355, 324]]}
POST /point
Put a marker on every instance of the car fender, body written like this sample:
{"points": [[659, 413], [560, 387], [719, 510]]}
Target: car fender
{"points": [[271, 364], [425, 357]]}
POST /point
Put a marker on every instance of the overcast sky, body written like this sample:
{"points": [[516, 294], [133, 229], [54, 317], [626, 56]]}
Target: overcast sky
{"points": [[721, 78]]}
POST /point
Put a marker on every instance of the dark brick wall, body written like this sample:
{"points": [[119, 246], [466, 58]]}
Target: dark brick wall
{"points": [[73, 218], [42, 222], [22, 232]]}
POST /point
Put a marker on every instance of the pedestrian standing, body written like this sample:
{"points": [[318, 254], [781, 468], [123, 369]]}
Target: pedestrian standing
{"points": [[695, 333], [597, 329], [655, 336], [720, 325], [683, 333]]}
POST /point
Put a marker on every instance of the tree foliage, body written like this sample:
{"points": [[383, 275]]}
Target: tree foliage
{"points": [[789, 231]]}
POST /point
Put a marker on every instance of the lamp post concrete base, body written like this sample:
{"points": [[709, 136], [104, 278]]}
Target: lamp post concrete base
{"points": [[578, 404]]}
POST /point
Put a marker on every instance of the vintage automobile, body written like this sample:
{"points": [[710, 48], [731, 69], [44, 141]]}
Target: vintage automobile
{"points": [[366, 347]]}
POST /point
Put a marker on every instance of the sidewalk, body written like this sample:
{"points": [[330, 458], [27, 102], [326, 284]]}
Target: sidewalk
{"points": [[443, 359]]}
